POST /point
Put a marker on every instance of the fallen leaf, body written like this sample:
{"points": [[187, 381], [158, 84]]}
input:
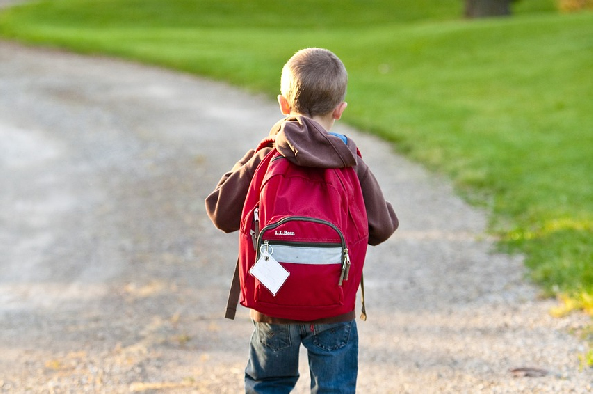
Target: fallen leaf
{"points": [[527, 372]]}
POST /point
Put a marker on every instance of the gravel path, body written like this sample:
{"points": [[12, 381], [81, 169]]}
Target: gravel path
{"points": [[114, 281]]}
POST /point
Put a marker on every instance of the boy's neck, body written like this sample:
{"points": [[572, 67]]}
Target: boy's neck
{"points": [[326, 121]]}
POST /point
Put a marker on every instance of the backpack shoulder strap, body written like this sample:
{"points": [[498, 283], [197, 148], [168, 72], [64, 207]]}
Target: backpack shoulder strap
{"points": [[266, 142], [234, 293]]}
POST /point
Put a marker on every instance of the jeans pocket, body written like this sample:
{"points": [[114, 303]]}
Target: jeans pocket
{"points": [[273, 336], [332, 337]]}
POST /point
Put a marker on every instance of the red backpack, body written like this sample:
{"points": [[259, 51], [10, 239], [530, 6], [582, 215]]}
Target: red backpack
{"points": [[303, 240]]}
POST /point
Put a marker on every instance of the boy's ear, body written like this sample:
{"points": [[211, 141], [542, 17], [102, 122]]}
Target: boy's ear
{"points": [[337, 114], [284, 106]]}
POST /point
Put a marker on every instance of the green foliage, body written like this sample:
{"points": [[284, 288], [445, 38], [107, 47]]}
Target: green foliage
{"points": [[587, 359], [502, 106], [287, 14], [531, 6], [559, 253]]}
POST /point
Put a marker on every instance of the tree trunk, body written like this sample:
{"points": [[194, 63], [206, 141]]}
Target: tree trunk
{"points": [[487, 8]]}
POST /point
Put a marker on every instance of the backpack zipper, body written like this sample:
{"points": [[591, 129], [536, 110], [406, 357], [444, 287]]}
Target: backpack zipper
{"points": [[345, 257]]}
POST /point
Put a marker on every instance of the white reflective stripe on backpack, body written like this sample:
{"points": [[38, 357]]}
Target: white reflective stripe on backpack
{"points": [[317, 255]]}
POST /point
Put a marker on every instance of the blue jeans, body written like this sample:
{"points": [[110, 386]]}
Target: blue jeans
{"points": [[332, 350]]}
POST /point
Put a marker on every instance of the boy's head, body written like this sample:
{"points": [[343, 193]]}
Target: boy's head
{"points": [[313, 82]]}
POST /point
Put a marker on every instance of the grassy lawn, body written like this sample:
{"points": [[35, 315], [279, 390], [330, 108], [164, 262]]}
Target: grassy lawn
{"points": [[504, 107]]}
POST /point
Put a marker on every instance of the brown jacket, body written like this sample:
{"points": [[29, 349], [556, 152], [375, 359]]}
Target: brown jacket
{"points": [[304, 142]]}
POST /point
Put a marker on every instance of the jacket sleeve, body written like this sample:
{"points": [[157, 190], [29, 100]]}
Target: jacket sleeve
{"points": [[382, 219], [225, 204]]}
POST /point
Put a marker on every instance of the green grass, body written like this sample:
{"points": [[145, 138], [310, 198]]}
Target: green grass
{"points": [[502, 106]]}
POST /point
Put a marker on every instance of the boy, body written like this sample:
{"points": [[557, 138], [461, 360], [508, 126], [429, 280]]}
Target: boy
{"points": [[313, 87]]}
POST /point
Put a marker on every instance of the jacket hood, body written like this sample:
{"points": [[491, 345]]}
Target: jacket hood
{"points": [[305, 142]]}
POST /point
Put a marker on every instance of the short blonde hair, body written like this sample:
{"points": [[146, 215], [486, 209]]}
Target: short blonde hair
{"points": [[314, 81]]}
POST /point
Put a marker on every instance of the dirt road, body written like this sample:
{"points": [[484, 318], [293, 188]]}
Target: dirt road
{"points": [[113, 280]]}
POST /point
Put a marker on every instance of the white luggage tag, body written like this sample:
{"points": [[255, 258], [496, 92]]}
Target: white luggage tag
{"points": [[268, 271]]}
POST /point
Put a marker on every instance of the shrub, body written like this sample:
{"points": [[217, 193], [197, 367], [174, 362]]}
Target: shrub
{"points": [[575, 5]]}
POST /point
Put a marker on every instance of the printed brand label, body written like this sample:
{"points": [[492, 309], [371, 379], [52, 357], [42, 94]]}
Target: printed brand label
{"points": [[283, 232]]}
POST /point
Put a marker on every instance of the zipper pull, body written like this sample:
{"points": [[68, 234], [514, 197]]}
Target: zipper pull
{"points": [[255, 232], [266, 251], [345, 267], [347, 262]]}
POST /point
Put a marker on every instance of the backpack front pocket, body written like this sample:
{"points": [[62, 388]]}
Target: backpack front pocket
{"points": [[314, 272], [314, 253]]}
